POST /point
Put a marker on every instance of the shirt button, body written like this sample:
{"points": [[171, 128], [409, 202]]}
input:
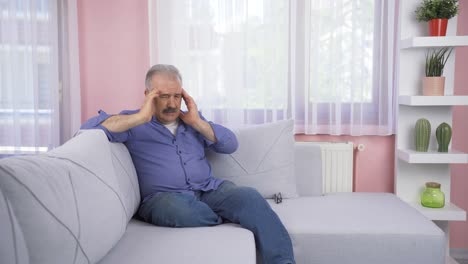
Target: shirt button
{"points": [[180, 151], [185, 163]]}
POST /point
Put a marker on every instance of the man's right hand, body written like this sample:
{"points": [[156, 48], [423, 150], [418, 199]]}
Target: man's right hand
{"points": [[121, 123], [148, 109]]}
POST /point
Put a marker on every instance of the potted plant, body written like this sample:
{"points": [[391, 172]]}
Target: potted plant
{"points": [[434, 82], [437, 13]]}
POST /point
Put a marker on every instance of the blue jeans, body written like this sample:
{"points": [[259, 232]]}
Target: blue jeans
{"points": [[240, 205]]}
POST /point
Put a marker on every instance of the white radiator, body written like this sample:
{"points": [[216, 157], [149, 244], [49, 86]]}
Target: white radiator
{"points": [[337, 166]]}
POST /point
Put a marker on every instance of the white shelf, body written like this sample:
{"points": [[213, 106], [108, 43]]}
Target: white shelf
{"points": [[412, 156], [449, 212], [421, 100], [422, 42]]}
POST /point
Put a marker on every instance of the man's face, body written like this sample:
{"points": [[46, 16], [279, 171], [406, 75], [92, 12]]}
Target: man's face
{"points": [[167, 105]]}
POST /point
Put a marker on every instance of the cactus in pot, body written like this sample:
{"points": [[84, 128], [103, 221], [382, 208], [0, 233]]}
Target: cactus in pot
{"points": [[423, 134], [443, 135]]}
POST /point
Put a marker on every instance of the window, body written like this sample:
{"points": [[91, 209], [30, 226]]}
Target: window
{"points": [[341, 38], [29, 76], [327, 64]]}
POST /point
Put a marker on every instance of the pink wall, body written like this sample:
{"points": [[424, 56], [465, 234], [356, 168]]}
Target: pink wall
{"points": [[459, 230], [114, 54]]}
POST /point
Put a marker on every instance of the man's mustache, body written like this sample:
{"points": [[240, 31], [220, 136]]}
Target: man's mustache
{"points": [[170, 110]]}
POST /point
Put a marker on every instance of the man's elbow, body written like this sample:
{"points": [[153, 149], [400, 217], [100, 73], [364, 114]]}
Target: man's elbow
{"points": [[91, 123], [233, 145]]}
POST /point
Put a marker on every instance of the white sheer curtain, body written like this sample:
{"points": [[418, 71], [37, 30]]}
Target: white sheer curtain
{"points": [[233, 55], [30, 79], [345, 67], [329, 64], [69, 70]]}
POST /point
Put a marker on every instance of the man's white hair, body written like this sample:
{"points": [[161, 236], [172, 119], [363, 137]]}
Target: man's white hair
{"points": [[165, 69]]}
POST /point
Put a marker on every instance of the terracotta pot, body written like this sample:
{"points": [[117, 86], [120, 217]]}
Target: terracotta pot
{"points": [[438, 27], [433, 85]]}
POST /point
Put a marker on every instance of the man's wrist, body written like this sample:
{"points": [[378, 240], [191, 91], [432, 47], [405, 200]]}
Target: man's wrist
{"points": [[200, 125], [206, 130], [142, 118]]}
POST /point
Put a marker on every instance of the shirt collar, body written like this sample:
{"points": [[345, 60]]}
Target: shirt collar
{"points": [[182, 126]]}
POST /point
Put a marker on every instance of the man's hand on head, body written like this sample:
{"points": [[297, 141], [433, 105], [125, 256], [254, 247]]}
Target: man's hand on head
{"points": [[147, 110], [191, 117]]}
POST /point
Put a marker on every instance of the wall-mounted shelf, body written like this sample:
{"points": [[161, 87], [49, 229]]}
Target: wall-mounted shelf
{"points": [[412, 156], [419, 100], [450, 212], [412, 168], [424, 42]]}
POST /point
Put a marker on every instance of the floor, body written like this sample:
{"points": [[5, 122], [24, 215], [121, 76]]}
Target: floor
{"points": [[462, 261]]}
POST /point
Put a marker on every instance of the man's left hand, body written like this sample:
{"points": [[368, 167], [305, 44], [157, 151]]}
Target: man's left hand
{"points": [[191, 117]]}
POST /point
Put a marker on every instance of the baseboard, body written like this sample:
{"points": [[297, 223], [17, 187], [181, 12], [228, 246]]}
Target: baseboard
{"points": [[459, 253]]}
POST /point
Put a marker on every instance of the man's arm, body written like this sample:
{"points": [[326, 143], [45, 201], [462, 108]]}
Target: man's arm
{"points": [[116, 127], [226, 140], [192, 118], [220, 139], [122, 123]]}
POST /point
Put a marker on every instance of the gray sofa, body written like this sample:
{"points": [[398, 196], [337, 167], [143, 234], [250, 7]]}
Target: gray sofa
{"points": [[75, 204]]}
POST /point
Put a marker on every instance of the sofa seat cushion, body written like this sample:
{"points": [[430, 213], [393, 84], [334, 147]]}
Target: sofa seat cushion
{"points": [[360, 228], [144, 243]]}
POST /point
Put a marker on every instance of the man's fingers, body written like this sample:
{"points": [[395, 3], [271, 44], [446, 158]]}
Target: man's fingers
{"points": [[155, 92], [187, 98], [185, 95]]}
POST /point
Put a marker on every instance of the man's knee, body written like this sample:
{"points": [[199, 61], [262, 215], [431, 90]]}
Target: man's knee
{"points": [[247, 197], [174, 210]]}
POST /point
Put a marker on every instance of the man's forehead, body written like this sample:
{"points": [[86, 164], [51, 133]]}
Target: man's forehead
{"points": [[166, 85], [164, 78], [167, 93], [170, 90]]}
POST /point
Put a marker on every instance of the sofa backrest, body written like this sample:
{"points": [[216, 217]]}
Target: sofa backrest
{"points": [[70, 205], [52, 205], [308, 169]]}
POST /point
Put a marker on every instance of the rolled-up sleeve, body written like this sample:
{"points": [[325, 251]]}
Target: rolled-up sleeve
{"points": [[226, 140], [95, 123]]}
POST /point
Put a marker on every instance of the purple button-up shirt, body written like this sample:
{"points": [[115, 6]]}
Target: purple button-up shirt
{"points": [[168, 163]]}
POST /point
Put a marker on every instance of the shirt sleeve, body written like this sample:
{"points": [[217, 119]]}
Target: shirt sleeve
{"points": [[95, 123], [226, 140]]}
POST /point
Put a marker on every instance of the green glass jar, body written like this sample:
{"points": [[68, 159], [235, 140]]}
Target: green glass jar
{"points": [[432, 196]]}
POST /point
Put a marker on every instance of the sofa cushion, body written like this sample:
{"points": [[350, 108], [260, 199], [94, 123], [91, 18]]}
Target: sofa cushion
{"points": [[361, 228], [12, 244], [308, 160], [67, 206], [264, 159], [226, 243]]}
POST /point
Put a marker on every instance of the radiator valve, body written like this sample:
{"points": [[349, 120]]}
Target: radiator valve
{"points": [[361, 147]]}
